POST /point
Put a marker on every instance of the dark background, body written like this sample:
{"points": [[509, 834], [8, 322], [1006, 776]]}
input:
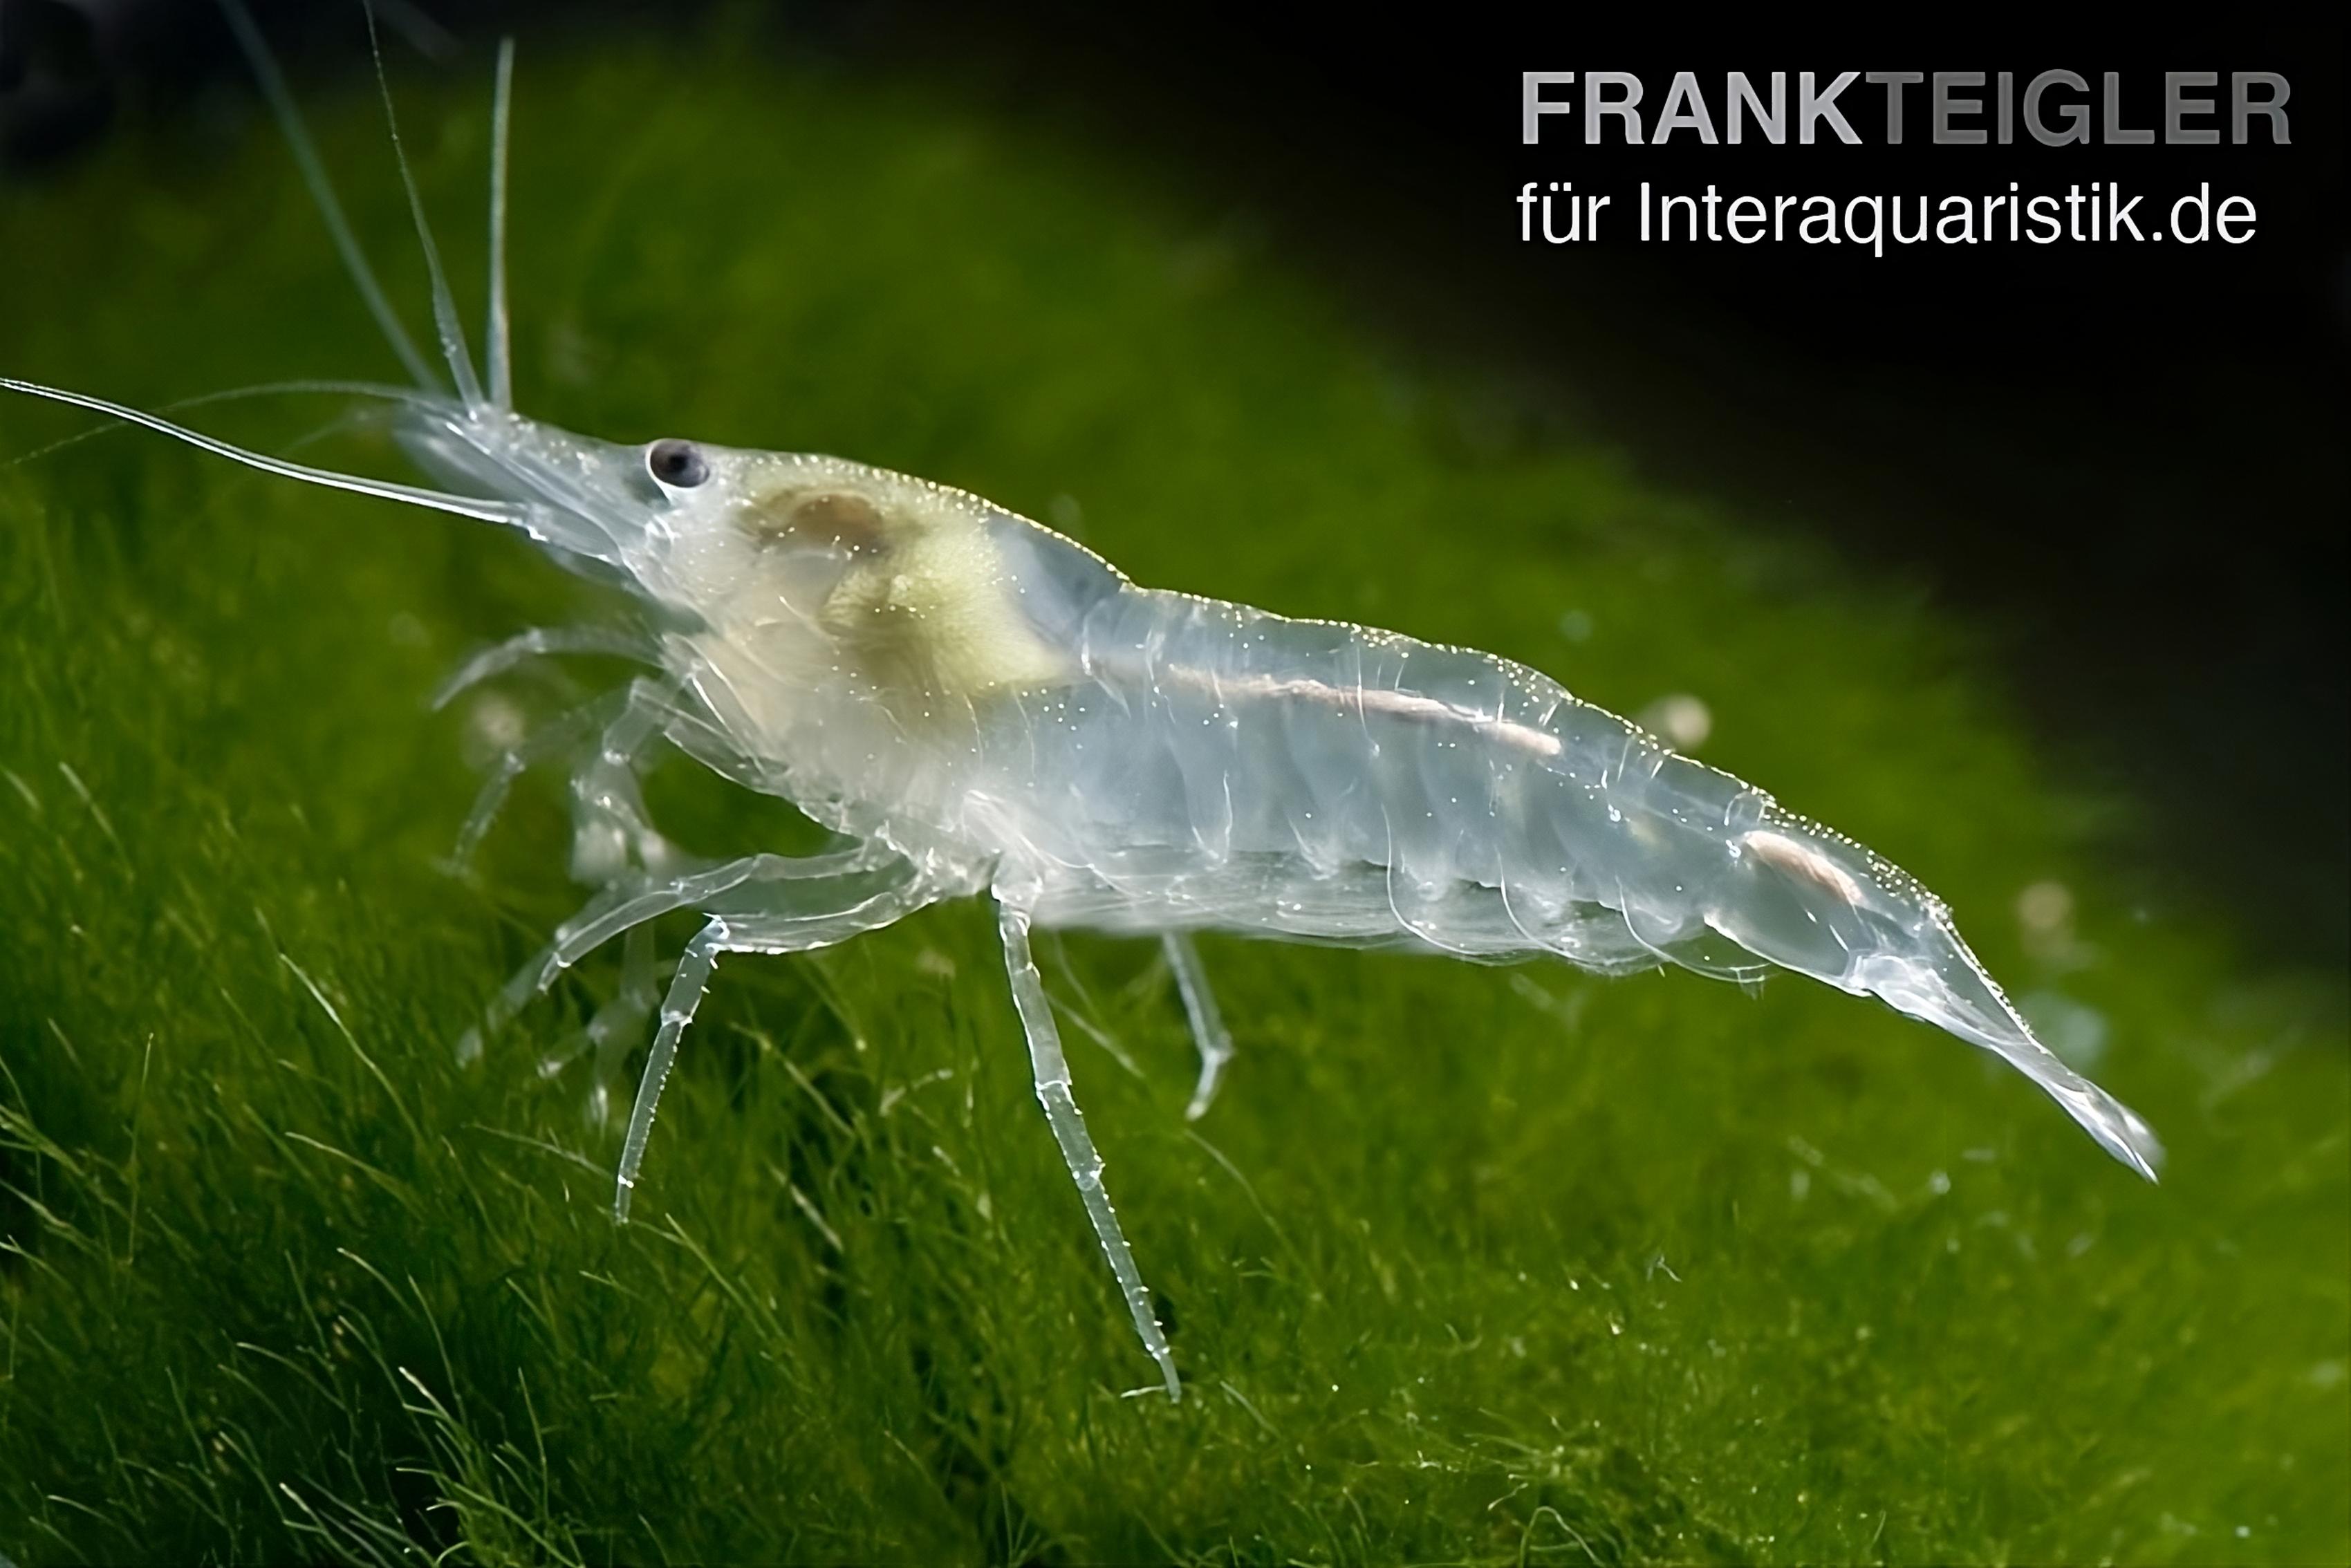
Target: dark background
{"points": [[2128, 461]]}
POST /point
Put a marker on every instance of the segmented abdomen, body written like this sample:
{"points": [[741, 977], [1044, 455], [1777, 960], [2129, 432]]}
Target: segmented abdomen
{"points": [[1223, 766], [1216, 766]]}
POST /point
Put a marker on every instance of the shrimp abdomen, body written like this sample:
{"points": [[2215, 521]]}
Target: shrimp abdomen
{"points": [[1239, 771]]}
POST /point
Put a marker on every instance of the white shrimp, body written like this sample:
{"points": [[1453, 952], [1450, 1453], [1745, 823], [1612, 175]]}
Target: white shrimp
{"points": [[978, 705]]}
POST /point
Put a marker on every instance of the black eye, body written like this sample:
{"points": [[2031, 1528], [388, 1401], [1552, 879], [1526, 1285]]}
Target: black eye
{"points": [[677, 464]]}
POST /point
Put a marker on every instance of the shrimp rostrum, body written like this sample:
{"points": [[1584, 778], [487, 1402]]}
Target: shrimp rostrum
{"points": [[978, 707]]}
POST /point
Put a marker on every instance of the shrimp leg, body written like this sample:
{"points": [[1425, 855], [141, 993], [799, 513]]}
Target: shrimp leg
{"points": [[616, 1025], [604, 814], [621, 1020], [542, 743], [608, 818], [1208, 1031], [1051, 1071], [540, 642], [630, 902], [777, 928]]}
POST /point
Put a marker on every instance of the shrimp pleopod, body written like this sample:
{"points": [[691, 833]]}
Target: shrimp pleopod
{"points": [[979, 708]]}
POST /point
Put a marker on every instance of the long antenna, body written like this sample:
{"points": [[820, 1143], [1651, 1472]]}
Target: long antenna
{"points": [[499, 350], [444, 305], [407, 395], [383, 489], [323, 191]]}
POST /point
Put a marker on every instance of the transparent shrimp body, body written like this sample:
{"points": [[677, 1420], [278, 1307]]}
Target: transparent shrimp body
{"points": [[978, 705], [926, 671]]}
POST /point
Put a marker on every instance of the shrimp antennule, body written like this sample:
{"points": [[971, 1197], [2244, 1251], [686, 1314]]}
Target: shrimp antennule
{"points": [[322, 191], [445, 303], [499, 349]]}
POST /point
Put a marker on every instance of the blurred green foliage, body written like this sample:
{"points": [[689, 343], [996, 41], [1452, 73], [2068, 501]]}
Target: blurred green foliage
{"points": [[1466, 1265]]}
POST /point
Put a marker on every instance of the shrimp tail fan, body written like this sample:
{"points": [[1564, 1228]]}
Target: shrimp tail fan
{"points": [[1810, 900]]}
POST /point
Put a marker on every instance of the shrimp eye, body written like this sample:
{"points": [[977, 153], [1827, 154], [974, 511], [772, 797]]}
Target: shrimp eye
{"points": [[677, 464]]}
